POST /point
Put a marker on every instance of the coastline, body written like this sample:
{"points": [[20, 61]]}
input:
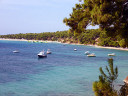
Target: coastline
{"points": [[29, 40], [115, 48]]}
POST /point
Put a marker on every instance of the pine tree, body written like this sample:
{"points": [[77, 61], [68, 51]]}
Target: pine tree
{"points": [[105, 87], [110, 15]]}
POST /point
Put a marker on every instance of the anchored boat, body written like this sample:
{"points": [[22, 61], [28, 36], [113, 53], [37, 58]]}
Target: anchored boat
{"points": [[42, 54]]}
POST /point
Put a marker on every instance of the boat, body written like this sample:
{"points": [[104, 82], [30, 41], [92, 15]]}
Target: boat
{"points": [[40, 41], [15, 51], [75, 49], [91, 55], [87, 53], [42, 54], [112, 54], [49, 51]]}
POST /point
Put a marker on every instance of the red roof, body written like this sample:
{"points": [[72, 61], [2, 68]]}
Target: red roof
{"points": [[126, 80]]}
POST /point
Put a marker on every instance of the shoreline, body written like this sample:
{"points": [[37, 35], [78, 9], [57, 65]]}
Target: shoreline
{"points": [[115, 48], [29, 40]]}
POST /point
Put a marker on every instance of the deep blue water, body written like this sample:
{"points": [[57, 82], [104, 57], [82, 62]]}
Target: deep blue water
{"points": [[65, 72]]}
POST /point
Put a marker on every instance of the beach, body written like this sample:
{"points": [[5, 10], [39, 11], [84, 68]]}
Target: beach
{"points": [[116, 48], [28, 40]]}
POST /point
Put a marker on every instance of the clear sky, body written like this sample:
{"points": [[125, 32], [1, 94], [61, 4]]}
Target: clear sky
{"points": [[34, 16]]}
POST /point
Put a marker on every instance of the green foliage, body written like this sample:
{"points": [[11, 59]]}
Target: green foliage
{"points": [[122, 43], [78, 19], [39, 36], [89, 37], [105, 87], [93, 36], [112, 73], [105, 40], [110, 15]]}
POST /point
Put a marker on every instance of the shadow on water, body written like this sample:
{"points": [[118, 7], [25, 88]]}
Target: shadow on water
{"points": [[41, 58]]}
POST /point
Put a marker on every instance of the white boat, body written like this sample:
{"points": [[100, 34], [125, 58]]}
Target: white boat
{"points": [[75, 49], [49, 51], [87, 53], [112, 54], [15, 51], [42, 54], [91, 55]]}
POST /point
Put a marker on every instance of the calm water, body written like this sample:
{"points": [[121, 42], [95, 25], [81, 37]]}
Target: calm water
{"points": [[65, 72]]}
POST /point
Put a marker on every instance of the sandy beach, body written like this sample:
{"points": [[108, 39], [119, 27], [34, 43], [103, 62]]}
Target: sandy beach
{"points": [[119, 48], [29, 40]]}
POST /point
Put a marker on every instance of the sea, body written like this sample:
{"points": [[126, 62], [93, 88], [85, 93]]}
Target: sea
{"points": [[65, 72]]}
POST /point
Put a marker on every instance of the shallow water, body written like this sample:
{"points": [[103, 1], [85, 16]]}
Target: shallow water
{"points": [[65, 72]]}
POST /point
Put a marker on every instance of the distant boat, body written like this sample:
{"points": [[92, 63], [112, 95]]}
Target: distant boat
{"points": [[49, 51], [75, 49], [40, 41], [29, 41], [87, 53], [15, 51], [112, 54], [42, 54], [91, 55]]}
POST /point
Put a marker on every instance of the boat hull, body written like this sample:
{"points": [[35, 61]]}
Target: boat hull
{"points": [[91, 56], [49, 52], [42, 56], [113, 54], [15, 51]]}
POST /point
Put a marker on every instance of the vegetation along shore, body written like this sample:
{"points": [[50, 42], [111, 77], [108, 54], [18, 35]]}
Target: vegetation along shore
{"points": [[93, 37], [111, 16]]}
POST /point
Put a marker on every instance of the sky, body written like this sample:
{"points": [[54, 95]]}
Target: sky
{"points": [[34, 16]]}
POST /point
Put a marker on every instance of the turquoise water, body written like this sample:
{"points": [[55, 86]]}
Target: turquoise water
{"points": [[65, 72]]}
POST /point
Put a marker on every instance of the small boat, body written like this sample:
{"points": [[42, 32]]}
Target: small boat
{"points": [[49, 51], [15, 51], [42, 54], [87, 53], [40, 41], [75, 49], [112, 54], [91, 55]]}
